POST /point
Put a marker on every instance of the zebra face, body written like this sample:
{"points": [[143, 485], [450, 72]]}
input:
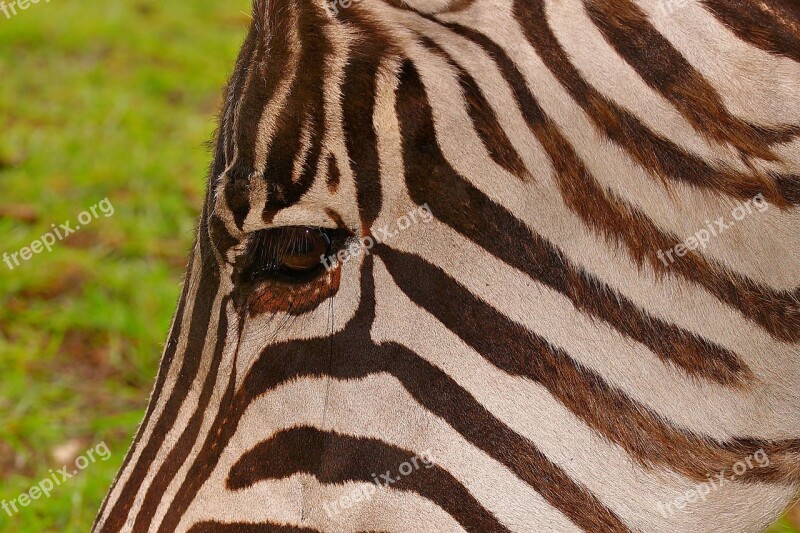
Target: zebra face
{"points": [[429, 290]]}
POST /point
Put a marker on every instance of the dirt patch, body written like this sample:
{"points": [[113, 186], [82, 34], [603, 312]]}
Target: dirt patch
{"points": [[12, 463], [25, 213], [82, 240], [85, 353], [70, 282]]}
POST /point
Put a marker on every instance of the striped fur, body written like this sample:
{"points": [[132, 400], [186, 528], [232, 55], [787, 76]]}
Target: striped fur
{"points": [[530, 338]]}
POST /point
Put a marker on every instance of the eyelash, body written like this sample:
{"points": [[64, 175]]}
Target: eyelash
{"points": [[289, 254]]}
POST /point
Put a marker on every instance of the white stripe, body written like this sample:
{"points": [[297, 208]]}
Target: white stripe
{"points": [[754, 84], [193, 279], [378, 407], [671, 299], [530, 409], [188, 406]]}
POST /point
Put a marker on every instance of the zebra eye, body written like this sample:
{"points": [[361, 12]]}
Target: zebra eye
{"points": [[290, 253]]}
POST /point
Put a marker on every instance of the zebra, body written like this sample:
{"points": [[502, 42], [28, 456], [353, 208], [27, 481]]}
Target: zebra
{"points": [[487, 266]]}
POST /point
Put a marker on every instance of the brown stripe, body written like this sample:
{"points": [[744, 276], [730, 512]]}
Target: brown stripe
{"points": [[247, 527], [182, 449], [790, 188], [263, 73], [219, 234], [652, 152], [772, 25], [459, 5], [306, 102], [778, 312], [484, 119], [454, 6], [626, 27], [354, 355], [642, 433], [198, 329], [215, 227], [335, 459], [204, 463], [431, 179], [334, 176], [234, 91], [358, 109]]}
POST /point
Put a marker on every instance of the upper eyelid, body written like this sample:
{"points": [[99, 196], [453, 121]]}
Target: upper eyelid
{"points": [[335, 234], [251, 234], [294, 217]]}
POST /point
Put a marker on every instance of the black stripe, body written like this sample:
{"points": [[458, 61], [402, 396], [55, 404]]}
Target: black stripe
{"points": [[455, 202], [198, 329], [358, 108], [335, 458], [772, 25], [306, 102], [183, 447], [484, 119]]}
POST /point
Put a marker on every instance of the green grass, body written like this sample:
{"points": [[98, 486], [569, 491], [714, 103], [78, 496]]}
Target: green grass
{"points": [[98, 99]]}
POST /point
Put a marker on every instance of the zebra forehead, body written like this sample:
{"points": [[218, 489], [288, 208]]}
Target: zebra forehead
{"points": [[299, 127]]}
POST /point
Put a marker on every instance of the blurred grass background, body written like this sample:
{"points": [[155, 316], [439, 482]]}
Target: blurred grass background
{"points": [[104, 99], [97, 99]]}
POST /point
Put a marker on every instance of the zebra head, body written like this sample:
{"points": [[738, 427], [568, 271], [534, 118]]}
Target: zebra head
{"points": [[442, 279]]}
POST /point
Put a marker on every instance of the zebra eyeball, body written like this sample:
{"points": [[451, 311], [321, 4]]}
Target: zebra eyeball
{"points": [[308, 246], [292, 253]]}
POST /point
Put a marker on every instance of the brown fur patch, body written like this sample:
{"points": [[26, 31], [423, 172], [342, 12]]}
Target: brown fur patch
{"points": [[336, 459], [626, 27], [772, 25], [656, 154], [295, 299]]}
